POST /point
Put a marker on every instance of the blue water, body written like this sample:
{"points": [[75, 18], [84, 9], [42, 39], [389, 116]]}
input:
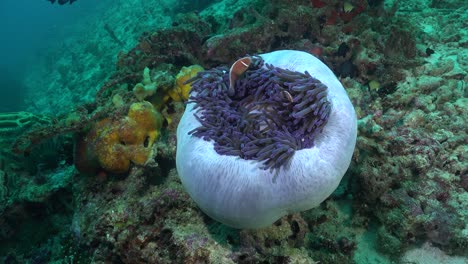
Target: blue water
{"points": [[27, 30]]}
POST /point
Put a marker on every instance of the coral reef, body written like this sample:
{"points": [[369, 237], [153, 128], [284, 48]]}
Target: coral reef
{"points": [[34, 188], [178, 45], [403, 68], [418, 187]]}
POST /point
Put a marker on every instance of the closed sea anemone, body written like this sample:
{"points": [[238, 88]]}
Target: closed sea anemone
{"points": [[273, 135]]}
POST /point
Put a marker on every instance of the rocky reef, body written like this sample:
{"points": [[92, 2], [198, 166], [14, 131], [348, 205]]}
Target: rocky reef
{"points": [[405, 192]]}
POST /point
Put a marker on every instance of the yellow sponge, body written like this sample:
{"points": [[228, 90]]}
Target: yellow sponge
{"points": [[181, 91]]}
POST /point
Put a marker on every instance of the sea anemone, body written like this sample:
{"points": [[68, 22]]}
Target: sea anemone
{"points": [[275, 140]]}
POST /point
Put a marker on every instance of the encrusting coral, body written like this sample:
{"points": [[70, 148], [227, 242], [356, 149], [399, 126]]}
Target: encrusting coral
{"points": [[14, 123], [278, 142], [113, 144], [12, 126]]}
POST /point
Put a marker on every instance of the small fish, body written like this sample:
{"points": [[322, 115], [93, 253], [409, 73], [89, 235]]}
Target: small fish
{"points": [[287, 96], [62, 2], [237, 69], [347, 7]]}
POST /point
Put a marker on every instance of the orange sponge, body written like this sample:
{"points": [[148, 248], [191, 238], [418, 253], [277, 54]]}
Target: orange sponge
{"points": [[113, 144]]}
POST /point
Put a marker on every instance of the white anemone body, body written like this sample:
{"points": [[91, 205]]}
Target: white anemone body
{"points": [[241, 194]]}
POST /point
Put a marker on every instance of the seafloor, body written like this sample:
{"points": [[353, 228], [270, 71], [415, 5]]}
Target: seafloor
{"points": [[404, 198]]}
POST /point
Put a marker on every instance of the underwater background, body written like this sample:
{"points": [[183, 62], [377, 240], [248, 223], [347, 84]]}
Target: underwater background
{"points": [[71, 74]]}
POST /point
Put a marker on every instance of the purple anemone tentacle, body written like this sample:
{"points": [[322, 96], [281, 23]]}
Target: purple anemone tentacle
{"points": [[271, 113]]}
